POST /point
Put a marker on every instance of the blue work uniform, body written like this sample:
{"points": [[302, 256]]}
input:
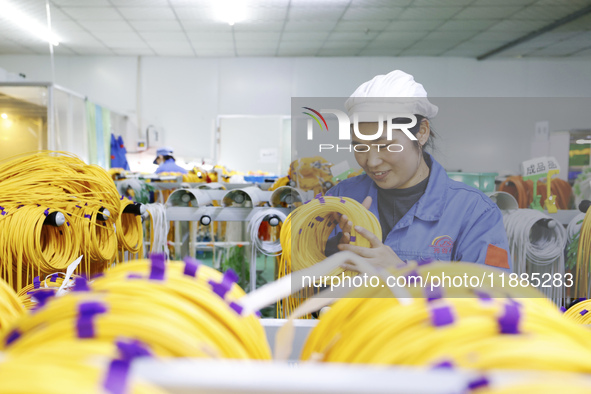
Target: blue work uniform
{"points": [[170, 166], [450, 222]]}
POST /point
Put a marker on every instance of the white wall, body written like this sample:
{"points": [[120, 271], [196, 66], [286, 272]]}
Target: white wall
{"points": [[185, 95]]}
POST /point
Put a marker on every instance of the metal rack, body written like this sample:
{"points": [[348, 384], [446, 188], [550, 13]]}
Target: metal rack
{"points": [[239, 205]]}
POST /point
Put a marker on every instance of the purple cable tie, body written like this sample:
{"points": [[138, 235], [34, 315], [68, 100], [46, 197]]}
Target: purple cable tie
{"points": [[78, 206], [441, 316], [191, 266], [433, 293], [509, 322], [230, 277], [482, 296], [444, 365], [80, 284], [88, 217], [53, 277], [300, 232], [583, 312], [353, 238], [85, 323], [258, 314], [132, 349], [158, 266], [117, 374], [42, 296], [116, 379], [36, 282], [13, 336], [319, 195], [46, 212], [237, 308], [343, 200], [424, 261], [478, 382], [122, 197], [562, 309], [319, 218], [134, 276]]}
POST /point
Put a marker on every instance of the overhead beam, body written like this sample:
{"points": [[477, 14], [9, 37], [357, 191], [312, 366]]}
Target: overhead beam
{"points": [[536, 33]]}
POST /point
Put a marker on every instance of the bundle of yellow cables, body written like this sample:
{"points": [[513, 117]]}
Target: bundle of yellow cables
{"points": [[53, 281], [34, 186], [582, 285], [178, 309], [10, 307], [481, 328], [130, 235], [580, 312], [35, 373], [306, 231]]}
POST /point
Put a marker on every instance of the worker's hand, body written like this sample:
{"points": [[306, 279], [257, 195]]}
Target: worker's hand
{"points": [[378, 254], [346, 225]]}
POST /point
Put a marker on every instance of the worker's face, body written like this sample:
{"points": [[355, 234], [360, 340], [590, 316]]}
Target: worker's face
{"points": [[160, 159], [391, 169]]}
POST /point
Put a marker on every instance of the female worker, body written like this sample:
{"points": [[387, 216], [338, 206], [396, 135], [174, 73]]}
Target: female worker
{"points": [[423, 213]]}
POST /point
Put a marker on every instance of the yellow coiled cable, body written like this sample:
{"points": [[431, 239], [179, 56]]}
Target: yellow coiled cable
{"points": [[35, 185], [581, 272], [130, 232], [306, 231], [10, 306], [580, 312], [27, 375], [473, 333], [179, 316]]}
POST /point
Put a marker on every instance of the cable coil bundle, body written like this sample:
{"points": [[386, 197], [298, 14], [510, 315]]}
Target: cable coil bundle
{"points": [[35, 189], [158, 228], [130, 233], [481, 328], [536, 249], [178, 309], [10, 306], [305, 232]]}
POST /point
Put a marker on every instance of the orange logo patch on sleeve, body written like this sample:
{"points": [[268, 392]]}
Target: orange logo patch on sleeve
{"points": [[496, 257]]}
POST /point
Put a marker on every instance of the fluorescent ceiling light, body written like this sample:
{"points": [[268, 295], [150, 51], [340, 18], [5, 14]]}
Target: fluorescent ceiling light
{"points": [[230, 11], [16, 16]]}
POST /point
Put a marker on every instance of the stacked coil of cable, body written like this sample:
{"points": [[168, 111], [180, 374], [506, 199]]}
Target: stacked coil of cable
{"points": [[306, 230], [178, 309], [10, 306], [54, 208], [523, 191], [535, 248], [130, 234], [157, 228], [478, 327]]}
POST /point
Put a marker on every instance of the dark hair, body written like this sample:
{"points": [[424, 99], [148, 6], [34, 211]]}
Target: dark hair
{"points": [[168, 157]]}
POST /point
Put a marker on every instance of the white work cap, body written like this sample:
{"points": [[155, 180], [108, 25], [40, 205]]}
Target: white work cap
{"points": [[396, 92]]}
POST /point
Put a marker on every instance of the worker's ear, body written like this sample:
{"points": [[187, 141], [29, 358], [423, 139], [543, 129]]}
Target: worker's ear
{"points": [[424, 132]]}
